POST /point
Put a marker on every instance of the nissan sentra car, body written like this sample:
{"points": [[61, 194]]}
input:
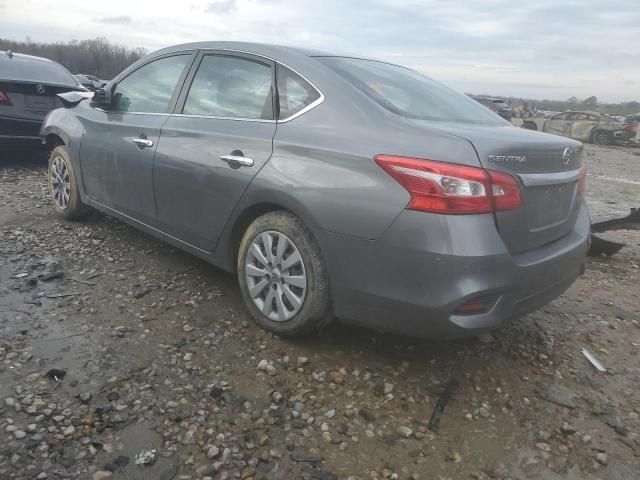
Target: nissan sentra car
{"points": [[332, 186]]}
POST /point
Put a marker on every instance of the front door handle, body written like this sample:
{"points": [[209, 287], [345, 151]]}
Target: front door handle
{"points": [[142, 142], [237, 160]]}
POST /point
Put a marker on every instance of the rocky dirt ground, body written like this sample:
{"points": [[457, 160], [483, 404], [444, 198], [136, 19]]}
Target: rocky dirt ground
{"points": [[114, 344]]}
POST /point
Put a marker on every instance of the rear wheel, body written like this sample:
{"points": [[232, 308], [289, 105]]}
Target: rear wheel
{"points": [[282, 276], [63, 186], [600, 137]]}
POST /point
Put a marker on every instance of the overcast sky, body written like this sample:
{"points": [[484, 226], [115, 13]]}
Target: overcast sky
{"points": [[535, 48]]}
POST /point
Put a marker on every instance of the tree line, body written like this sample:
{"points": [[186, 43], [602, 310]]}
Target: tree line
{"points": [[97, 56]]}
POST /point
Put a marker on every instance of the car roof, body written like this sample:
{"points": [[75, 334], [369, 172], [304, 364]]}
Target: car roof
{"points": [[279, 52], [9, 56]]}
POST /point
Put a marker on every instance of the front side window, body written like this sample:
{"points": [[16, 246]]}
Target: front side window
{"points": [[294, 92], [231, 87], [409, 93], [149, 88]]}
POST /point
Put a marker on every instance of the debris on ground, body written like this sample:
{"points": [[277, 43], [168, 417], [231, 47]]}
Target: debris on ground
{"points": [[593, 360], [146, 457]]}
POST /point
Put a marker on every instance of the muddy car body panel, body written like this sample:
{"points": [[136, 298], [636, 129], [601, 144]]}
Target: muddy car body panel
{"points": [[592, 127], [390, 267]]}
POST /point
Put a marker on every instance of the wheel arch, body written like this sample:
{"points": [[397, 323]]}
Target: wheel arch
{"points": [[52, 140], [254, 206]]}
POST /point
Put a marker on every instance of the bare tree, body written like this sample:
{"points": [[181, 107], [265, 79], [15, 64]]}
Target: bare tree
{"points": [[96, 56]]}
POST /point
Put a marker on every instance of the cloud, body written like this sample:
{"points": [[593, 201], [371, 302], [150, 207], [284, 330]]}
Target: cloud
{"points": [[221, 6], [119, 20], [500, 47]]}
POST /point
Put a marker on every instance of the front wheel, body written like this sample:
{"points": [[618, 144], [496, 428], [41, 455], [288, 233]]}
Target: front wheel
{"points": [[63, 185], [282, 276]]}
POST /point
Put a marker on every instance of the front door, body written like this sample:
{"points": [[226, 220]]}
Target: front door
{"points": [[210, 151], [119, 144]]}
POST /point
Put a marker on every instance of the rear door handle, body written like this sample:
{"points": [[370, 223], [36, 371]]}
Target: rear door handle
{"points": [[142, 142], [237, 160]]}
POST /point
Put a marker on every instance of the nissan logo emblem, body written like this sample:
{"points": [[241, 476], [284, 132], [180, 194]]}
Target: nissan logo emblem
{"points": [[40, 89]]}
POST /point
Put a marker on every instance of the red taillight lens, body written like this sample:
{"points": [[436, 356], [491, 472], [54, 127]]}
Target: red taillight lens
{"points": [[582, 184], [505, 191], [440, 187], [4, 99]]}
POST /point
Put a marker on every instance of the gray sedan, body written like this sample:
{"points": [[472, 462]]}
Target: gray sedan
{"points": [[332, 186]]}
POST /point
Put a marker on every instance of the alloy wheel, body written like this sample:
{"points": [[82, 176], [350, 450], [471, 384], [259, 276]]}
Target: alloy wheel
{"points": [[275, 276], [60, 183]]}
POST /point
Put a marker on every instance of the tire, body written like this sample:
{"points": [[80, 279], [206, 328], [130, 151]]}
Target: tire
{"points": [[600, 137], [310, 307], [63, 186], [529, 126]]}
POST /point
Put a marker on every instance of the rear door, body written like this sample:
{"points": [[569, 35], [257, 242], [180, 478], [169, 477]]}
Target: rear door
{"points": [[559, 124], [119, 143], [211, 148]]}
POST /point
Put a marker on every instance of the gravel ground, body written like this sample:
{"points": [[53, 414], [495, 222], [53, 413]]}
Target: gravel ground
{"points": [[114, 344]]}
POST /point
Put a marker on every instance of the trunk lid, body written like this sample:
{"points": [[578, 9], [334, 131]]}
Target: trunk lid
{"points": [[548, 168]]}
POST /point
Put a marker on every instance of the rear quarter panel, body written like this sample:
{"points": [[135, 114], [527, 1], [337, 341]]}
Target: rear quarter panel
{"points": [[323, 165]]}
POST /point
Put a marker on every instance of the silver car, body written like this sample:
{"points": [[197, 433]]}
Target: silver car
{"points": [[333, 187]]}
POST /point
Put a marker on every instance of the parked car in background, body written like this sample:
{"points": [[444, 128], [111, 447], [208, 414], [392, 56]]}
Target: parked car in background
{"points": [[496, 105], [632, 126], [99, 83], [28, 91], [90, 82], [585, 126], [331, 186]]}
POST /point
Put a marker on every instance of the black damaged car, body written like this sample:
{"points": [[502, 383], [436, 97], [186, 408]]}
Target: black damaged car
{"points": [[28, 91]]}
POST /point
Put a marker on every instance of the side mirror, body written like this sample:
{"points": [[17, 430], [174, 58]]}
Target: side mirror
{"points": [[102, 97]]}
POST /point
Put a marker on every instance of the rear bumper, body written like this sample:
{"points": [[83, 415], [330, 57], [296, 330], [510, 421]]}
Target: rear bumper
{"points": [[425, 266]]}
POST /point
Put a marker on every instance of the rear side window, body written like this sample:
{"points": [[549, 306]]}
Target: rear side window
{"points": [[231, 87], [24, 68], [149, 88], [409, 93], [294, 93]]}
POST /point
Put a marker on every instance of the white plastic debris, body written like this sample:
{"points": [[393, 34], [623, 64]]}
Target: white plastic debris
{"points": [[146, 457], [593, 360]]}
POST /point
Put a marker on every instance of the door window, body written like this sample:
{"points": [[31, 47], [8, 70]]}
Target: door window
{"points": [[231, 87], [149, 88], [294, 92]]}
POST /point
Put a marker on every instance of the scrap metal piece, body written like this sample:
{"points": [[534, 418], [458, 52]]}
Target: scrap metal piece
{"points": [[616, 223], [601, 246], [593, 360], [443, 399]]}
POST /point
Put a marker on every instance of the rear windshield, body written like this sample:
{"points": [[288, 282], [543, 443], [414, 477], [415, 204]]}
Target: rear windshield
{"points": [[27, 69], [409, 93]]}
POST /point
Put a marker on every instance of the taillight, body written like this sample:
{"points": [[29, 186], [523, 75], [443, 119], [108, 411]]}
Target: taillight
{"points": [[4, 99], [440, 187], [582, 183]]}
